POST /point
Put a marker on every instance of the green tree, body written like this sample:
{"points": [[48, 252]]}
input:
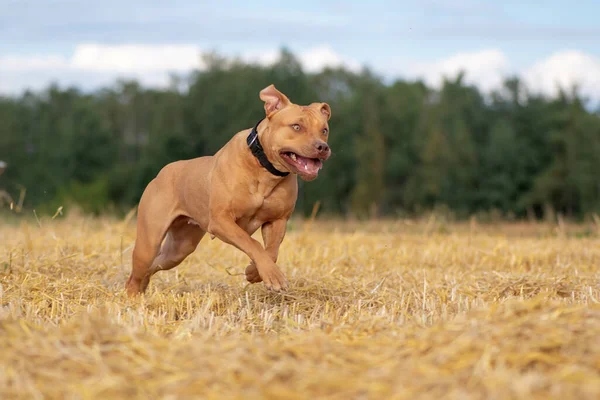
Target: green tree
{"points": [[398, 147], [370, 152], [569, 182]]}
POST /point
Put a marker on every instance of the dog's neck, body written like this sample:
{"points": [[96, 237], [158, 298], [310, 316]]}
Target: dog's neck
{"points": [[257, 150]]}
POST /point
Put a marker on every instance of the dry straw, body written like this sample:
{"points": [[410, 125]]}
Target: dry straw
{"points": [[375, 311]]}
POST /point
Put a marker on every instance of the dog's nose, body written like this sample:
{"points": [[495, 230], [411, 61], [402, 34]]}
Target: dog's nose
{"points": [[322, 146]]}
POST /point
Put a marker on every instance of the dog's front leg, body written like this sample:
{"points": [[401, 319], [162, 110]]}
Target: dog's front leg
{"points": [[223, 227], [272, 233]]}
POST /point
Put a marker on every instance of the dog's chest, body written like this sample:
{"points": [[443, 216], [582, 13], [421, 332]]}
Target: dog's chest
{"points": [[260, 210], [269, 201], [266, 208]]}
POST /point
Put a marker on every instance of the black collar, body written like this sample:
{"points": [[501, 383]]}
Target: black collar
{"points": [[257, 149]]}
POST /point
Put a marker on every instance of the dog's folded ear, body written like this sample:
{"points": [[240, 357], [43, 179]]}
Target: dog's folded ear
{"points": [[274, 100], [323, 108], [326, 110]]}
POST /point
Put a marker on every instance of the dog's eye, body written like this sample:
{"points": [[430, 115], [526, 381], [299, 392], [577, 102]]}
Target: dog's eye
{"points": [[325, 131], [296, 127]]}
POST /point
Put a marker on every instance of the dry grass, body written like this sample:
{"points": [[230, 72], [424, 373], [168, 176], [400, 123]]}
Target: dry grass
{"points": [[387, 310]]}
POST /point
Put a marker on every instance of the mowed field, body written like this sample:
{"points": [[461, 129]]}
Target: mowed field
{"points": [[386, 310]]}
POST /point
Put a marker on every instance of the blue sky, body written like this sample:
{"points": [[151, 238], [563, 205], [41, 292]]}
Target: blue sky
{"points": [[44, 40]]}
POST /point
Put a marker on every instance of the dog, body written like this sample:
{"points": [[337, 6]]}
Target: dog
{"points": [[250, 183]]}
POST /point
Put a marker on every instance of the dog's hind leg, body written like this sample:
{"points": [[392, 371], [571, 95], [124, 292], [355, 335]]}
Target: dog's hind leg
{"points": [[182, 239], [153, 221]]}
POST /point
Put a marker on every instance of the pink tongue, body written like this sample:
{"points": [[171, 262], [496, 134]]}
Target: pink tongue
{"points": [[308, 165]]}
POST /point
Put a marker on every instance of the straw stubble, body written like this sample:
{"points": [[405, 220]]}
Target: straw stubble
{"points": [[387, 310]]}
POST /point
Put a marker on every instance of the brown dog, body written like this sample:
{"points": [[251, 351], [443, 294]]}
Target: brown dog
{"points": [[248, 184]]}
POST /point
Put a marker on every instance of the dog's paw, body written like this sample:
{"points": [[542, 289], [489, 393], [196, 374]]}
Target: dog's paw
{"points": [[274, 279], [252, 274]]}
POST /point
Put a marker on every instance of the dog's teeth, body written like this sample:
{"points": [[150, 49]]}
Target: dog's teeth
{"points": [[293, 156], [306, 167]]}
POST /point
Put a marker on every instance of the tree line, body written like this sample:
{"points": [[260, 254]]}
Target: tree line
{"points": [[399, 148]]}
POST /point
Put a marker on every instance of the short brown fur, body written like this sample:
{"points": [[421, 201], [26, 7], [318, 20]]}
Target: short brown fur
{"points": [[230, 195]]}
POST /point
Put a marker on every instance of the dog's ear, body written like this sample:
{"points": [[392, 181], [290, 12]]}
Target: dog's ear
{"points": [[274, 100], [326, 110]]}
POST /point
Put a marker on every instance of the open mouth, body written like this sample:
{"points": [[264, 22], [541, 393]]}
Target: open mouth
{"points": [[305, 166]]}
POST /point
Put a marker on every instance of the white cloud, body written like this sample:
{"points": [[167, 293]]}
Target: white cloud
{"points": [[265, 57], [94, 65], [485, 68], [316, 59], [563, 70], [488, 68], [312, 60], [134, 58], [31, 63]]}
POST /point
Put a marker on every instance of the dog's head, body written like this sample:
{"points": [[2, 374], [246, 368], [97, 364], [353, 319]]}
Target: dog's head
{"points": [[295, 138]]}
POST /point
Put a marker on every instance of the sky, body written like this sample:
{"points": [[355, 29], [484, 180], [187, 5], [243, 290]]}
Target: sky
{"points": [[91, 43]]}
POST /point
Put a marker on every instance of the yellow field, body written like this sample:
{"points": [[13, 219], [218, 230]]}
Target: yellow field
{"points": [[375, 311]]}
